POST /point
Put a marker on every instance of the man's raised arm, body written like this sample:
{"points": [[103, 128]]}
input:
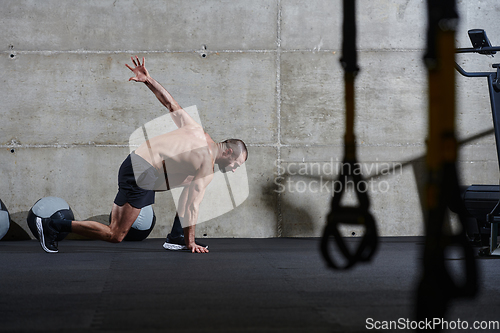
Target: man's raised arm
{"points": [[180, 117]]}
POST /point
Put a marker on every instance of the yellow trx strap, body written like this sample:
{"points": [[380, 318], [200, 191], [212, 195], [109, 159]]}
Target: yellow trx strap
{"points": [[437, 287]]}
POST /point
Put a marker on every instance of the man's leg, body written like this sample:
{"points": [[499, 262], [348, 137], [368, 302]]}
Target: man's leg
{"points": [[175, 239], [122, 218], [177, 230]]}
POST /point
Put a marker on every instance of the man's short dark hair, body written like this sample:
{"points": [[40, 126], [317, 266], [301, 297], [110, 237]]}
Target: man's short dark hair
{"points": [[237, 146]]}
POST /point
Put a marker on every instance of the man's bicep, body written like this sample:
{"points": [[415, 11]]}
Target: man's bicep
{"points": [[199, 184], [201, 180], [194, 198]]}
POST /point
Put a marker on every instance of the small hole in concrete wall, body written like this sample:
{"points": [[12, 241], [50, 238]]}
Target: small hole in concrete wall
{"points": [[353, 233], [12, 56], [12, 150], [204, 235], [203, 55]]}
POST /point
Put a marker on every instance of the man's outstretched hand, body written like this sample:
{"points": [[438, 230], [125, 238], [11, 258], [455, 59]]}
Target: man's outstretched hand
{"points": [[140, 71]]}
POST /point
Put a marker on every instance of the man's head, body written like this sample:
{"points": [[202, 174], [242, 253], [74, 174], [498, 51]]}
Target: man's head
{"points": [[234, 154]]}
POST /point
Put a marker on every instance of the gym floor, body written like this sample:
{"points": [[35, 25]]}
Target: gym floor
{"points": [[242, 285]]}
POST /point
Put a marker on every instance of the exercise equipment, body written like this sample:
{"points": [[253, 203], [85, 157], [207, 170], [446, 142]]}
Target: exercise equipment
{"points": [[53, 207], [4, 220], [359, 215], [482, 202], [437, 286], [143, 225]]}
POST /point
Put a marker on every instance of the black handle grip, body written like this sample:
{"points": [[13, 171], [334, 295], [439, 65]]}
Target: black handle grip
{"points": [[366, 247], [359, 215]]}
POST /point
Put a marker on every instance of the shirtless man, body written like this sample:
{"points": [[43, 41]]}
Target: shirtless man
{"points": [[182, 158]]}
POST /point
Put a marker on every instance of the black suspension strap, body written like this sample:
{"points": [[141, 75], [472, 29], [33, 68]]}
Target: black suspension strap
{"points": [[341, 215], [437, 286]]}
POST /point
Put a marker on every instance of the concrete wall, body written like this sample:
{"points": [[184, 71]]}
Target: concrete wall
{"points": [[264, 71]]}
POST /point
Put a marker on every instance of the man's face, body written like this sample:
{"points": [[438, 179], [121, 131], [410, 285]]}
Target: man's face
{"points": [[230, 163]]}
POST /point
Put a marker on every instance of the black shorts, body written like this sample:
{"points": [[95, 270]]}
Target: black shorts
{"points": [[133, 171]]}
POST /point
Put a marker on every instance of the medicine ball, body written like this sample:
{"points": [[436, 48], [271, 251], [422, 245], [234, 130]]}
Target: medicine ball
{"points": [[143, 225], [52, 207], [4, 220]]}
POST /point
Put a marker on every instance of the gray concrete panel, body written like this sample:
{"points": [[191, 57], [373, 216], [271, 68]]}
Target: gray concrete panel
{"points": [[308, 25], [81, 99], [390, 98], [312, 98], [392, 175], [317, 25], [152, 25], [478, 14], [392, 24], [394, 197]]}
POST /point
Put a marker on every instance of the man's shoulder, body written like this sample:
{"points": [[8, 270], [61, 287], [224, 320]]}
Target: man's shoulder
{"points": [[204, 158], [190, 123], [190, 132]]}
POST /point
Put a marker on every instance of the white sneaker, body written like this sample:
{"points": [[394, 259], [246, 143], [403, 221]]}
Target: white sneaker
{"points": [[177, 244], [174, 247]]}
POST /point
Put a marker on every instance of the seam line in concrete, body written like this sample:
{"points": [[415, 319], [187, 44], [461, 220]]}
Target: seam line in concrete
{"points": [[46, 52], [62, 146], [279, 226], [274, 145]]}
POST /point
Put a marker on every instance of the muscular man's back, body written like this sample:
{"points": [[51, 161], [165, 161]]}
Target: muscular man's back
{"points": [[179, 153]]}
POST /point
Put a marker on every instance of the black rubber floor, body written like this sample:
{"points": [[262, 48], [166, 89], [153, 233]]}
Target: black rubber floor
{"points": [[242, 285]]}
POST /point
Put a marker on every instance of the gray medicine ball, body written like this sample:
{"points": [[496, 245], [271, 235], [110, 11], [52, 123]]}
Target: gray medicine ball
{"points": [[4, 220], [52, 207]]}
